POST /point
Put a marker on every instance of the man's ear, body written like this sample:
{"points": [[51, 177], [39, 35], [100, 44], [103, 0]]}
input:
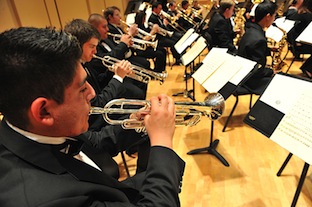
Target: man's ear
{"points": [[40, 111]]}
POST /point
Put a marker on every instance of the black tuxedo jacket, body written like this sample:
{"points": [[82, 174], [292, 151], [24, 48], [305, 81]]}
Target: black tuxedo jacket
{"points": [[253, 46], [33, 174], [221, 32]]}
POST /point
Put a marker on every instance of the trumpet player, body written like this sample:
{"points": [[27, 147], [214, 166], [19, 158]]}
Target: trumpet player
{"points": [[113, 17], [159, 55], [107, 47], [164, 41], [101, 134]]}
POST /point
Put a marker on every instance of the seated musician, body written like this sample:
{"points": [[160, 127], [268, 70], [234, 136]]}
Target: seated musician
{"points": [[113, 17], [303, 18], [164, 41], [158, 53], [106, 47], [184, 21], [253, 45], [220, 27], [196, 7], [108, 140], [293, 8], [38, 167]]}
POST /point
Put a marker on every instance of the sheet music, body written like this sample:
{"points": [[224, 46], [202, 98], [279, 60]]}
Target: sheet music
{"points": [[195, 50], [211, 62], [246, 67], [274, 33], [187, 42], [285, 24], [294, 132], [183, 38], [283, 91], [221, 76], [305, 36]]}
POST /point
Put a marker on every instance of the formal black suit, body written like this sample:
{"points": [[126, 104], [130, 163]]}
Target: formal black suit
{"points": [[165, 41], [221, 32], [34, 174], [253, 46]]}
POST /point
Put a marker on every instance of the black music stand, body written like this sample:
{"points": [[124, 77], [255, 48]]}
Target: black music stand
{"points": [[211, 149], [301, 180], [188, 61]]}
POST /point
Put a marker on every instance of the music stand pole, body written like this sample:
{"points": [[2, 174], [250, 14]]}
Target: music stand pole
{"points": [[188, 93], [211, 149]]}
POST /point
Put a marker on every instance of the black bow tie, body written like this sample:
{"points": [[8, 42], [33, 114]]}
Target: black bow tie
{"points": [[70, 147]]}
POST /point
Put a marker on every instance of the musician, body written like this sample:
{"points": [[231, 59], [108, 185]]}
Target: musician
{"points": [[253, 45], [107, 139], [182, 21], [303, 18], [164, 41], [159, 55], [37, 164], [106, 47], [113, 17], [198, 8], [220, 27], [293, 8]]}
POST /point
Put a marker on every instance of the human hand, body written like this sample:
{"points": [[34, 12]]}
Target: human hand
{"points": [[160, 122], [127, 39], [133, 30], [123, 68]]}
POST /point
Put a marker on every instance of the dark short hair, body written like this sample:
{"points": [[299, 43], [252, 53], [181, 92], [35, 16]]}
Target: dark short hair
{"points": [[94, 19], [82, 30], [34, 63], [138, 19], [225, 4], [109, 11], [184, 2], [155, 4], [264, 8]]}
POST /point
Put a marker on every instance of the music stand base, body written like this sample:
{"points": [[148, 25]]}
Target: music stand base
{"points": [[211, 149], [186, 94]]}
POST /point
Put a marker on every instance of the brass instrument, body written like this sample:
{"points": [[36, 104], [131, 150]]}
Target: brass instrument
{"points": [[239, 25], [142, 33], [172, 21], [276, 50], [138, 73], [187, 113], [138, 43], [162, 31], [181, 11]]}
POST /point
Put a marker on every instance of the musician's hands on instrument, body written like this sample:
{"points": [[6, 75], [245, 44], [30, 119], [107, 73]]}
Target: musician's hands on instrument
{"points": [[166, 22], [155, 29], [127, 39], [160, 123], [123, 68], [133, 30]]}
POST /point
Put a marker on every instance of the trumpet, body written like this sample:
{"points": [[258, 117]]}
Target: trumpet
{"points": [[142, 33], [161, 31], [186, 112], [138, 43], [138, 73], [172, 21]]}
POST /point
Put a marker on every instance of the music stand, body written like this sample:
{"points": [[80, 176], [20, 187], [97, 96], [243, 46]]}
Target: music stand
{"points": [[211, 149], [275, 114], [206, 74], [188, 61]]}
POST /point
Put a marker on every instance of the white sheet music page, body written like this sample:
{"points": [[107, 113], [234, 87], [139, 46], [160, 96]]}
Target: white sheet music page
{"points": [[222, 75], [247, 66], [306, 36], [283, 91], [187, 43], [284, 23], [188, 33], [213, 60], [274, 33], [294, 132], [195, 50]]}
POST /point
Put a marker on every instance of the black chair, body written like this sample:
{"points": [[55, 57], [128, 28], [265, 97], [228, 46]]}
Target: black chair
{"points": [[298, 50], [241, 91]]}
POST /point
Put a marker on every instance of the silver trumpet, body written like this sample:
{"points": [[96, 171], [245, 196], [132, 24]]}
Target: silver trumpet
{"points": [[161, 31], [138, 43], [187, 113], [138, 73], [142, 33]]}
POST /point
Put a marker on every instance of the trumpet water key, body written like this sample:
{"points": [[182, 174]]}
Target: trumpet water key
{"points": [[187, 113], [138, 73]]}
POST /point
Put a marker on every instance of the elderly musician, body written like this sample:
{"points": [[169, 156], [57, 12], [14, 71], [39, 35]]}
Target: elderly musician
{"points": [[39, 136]]}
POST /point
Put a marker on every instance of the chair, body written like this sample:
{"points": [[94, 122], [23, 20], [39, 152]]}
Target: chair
{"points": [[298, 49], [240, 91]]}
